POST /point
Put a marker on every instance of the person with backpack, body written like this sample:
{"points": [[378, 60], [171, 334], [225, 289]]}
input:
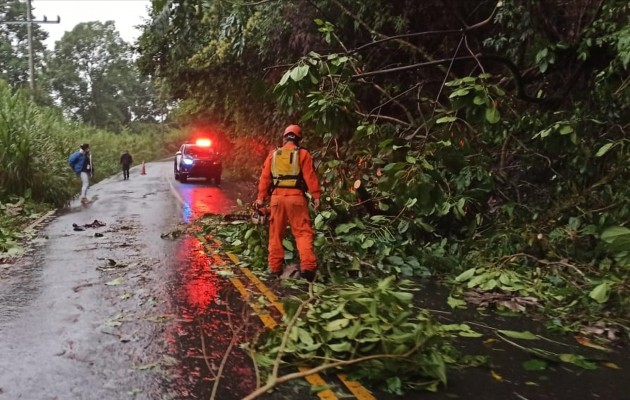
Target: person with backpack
{"points": [[81, 163], [126, 160], [287, 174]]}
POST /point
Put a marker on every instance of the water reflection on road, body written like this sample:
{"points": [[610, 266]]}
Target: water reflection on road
{"points": [[200, 198], [207, 311]]}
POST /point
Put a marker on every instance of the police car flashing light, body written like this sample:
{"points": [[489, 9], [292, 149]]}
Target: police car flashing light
{"points": [[203, 142]]}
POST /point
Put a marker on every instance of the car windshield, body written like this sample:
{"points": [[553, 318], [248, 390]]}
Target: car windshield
{"points": [[197, 151]]}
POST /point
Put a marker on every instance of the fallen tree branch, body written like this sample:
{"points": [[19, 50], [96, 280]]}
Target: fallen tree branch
{"points": [[226, 354], [341, 363]]}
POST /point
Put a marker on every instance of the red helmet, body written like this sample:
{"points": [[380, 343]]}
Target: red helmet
{"points": [[294, 129]]}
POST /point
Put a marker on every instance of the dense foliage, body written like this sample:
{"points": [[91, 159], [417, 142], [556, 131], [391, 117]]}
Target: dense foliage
{"points": [[486, 142], [490, 137]]}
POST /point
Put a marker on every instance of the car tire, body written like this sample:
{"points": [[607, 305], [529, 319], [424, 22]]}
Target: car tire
{"points": [[217, 179], [183, 178]]}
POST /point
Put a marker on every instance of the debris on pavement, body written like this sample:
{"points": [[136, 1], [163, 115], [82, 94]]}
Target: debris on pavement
{"points": [[94, 224]]}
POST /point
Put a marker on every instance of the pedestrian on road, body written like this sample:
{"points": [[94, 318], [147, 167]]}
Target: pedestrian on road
{"points": [[81, 163], [287, 174], [126, 160]]}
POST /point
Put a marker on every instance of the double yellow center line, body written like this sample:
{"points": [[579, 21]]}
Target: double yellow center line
{"points": [[360, 392]]}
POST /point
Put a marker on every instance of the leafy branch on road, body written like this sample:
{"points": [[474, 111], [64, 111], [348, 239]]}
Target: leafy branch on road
{"points": [[388, 345]]}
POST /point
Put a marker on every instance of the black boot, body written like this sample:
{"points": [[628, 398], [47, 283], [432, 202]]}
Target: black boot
{"points": [[308, 275]]}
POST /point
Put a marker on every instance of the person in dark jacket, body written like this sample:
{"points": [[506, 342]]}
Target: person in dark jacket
{"points": [[126, 160], [81, 163]]}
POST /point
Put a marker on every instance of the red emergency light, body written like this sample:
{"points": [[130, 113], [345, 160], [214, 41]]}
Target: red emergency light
{"points": [[204, 142]]}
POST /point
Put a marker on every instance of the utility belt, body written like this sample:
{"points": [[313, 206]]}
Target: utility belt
{"points": [[284, 191], [298, 181]]}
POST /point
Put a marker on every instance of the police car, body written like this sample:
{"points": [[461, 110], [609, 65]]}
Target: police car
{"points": [[198, 160]]}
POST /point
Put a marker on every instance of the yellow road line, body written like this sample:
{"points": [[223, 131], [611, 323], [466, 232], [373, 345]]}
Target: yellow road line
{"points": [[233, 257], [267, 320], [316, 380], [264, 317], [358, 390], [264, 289]]}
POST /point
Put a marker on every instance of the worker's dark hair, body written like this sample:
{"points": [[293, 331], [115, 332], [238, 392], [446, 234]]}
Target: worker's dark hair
{"points": [[84, 146]]}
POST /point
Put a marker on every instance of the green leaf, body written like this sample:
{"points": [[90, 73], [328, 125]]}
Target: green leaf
{"points": [[535, 365], [344, 228], [319, 221], [615, 232], [299, 73], [493, 115], [604, 149], [565, 130], [479, 100], [543, 66], [367, 244], [445, 120], [225, 274], [330, 314], [305, 337], [403, 226], [542, 54], [337, 324], [405, 297], [456, 303], [525, 335], [411, 202], [466, 275], [577, 360], [395, 260], [459, 93], [341, 347], [470, 334], [600, 293], [287, 244], [284, 78]]}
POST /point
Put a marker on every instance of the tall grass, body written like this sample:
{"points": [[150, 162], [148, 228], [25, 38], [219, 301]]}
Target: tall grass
{"points": [[35, 143], [31, 150]]}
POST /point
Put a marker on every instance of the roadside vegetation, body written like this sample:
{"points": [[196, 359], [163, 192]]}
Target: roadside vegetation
{"points": [[482, 145], [35, 142]]}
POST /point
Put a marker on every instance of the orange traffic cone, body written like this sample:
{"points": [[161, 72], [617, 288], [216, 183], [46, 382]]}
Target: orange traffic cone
{"points": [[143, 171]]}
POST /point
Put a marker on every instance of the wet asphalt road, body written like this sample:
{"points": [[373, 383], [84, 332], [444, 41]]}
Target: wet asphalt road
{"points": [[86, 316]]}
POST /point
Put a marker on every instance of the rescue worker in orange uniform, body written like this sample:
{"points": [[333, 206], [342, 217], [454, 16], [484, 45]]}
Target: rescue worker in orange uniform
{"points": [[287, 174]]}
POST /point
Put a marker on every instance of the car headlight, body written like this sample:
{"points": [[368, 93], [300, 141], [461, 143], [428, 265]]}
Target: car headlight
{"points": [[187, 161]]}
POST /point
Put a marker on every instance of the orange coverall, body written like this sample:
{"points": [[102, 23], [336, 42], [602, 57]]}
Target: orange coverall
{"points": [[289, 205]]}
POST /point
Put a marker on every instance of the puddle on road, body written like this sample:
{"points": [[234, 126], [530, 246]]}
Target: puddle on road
{"points": [[200, 200]]}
